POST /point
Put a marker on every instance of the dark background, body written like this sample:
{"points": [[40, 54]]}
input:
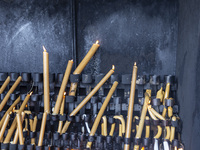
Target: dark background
{"points": [[128, 31], [163, 37]]}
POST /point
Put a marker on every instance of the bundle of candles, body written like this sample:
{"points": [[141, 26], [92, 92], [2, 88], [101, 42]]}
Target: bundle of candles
{"points": [[59, 116]]}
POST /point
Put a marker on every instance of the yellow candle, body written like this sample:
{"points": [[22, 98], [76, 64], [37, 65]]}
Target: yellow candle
{"points": [[42, 129], [4, 84], [4, 101], [103, 107], [144, 111], [142, 117], [4, 126], [34, 129], [82, 65], [131, 105], [46, 80], [19, 127], [61, 112], [9, 109], [15, 140], [63, 86], [88, 97], [147, 133], [172, 134], [14, 123]]}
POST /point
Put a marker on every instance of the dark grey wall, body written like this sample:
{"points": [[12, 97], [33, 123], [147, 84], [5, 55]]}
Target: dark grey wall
{"points": [[188, 71], [27, 25], [144, 31], [130, 30]]}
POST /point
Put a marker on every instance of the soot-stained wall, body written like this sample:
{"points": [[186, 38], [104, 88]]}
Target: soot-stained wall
{"points": [[129, 30], [27, 25], [188, 71]]}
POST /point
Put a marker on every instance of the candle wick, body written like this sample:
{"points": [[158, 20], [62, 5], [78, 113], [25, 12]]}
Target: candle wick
{"points": [[44, 48], [113, 67]]}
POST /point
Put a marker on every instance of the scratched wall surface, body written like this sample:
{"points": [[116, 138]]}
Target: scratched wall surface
{"points": [[144, 31], [27, 25], [188, 71]]}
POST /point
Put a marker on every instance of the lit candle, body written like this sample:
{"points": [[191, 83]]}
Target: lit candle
{"points": [[4, 84], [88, 97], [131, 106], [14, 123], [82, 65], [63, 86], [46, 80], [9, 110], [42, 129], [4, 101]]}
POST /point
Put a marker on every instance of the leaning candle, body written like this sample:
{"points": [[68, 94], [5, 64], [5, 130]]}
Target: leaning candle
{"points": [[130, 107], [4, 101], [61, 113], [103, 107], [142, 117], [4, 125], [82, 65], [4, 84], [9, 109], [42, 129], [63, 86], [14, 123], [46, 80], [88, 97], [19, 127], [15, 140]]}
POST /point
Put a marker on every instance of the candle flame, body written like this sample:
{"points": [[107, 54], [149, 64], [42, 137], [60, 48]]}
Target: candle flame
{"points": [[31, 93], [113, 67], [44, 48], [142, 148], [135, 63], [13, 109], [97, 42], [71, 60]]}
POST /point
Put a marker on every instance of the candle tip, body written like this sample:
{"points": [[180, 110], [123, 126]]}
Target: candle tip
{"points": [[97, 42], [113, 67], [71, 60], [31, 93], [65, 93], [44, 48]]}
